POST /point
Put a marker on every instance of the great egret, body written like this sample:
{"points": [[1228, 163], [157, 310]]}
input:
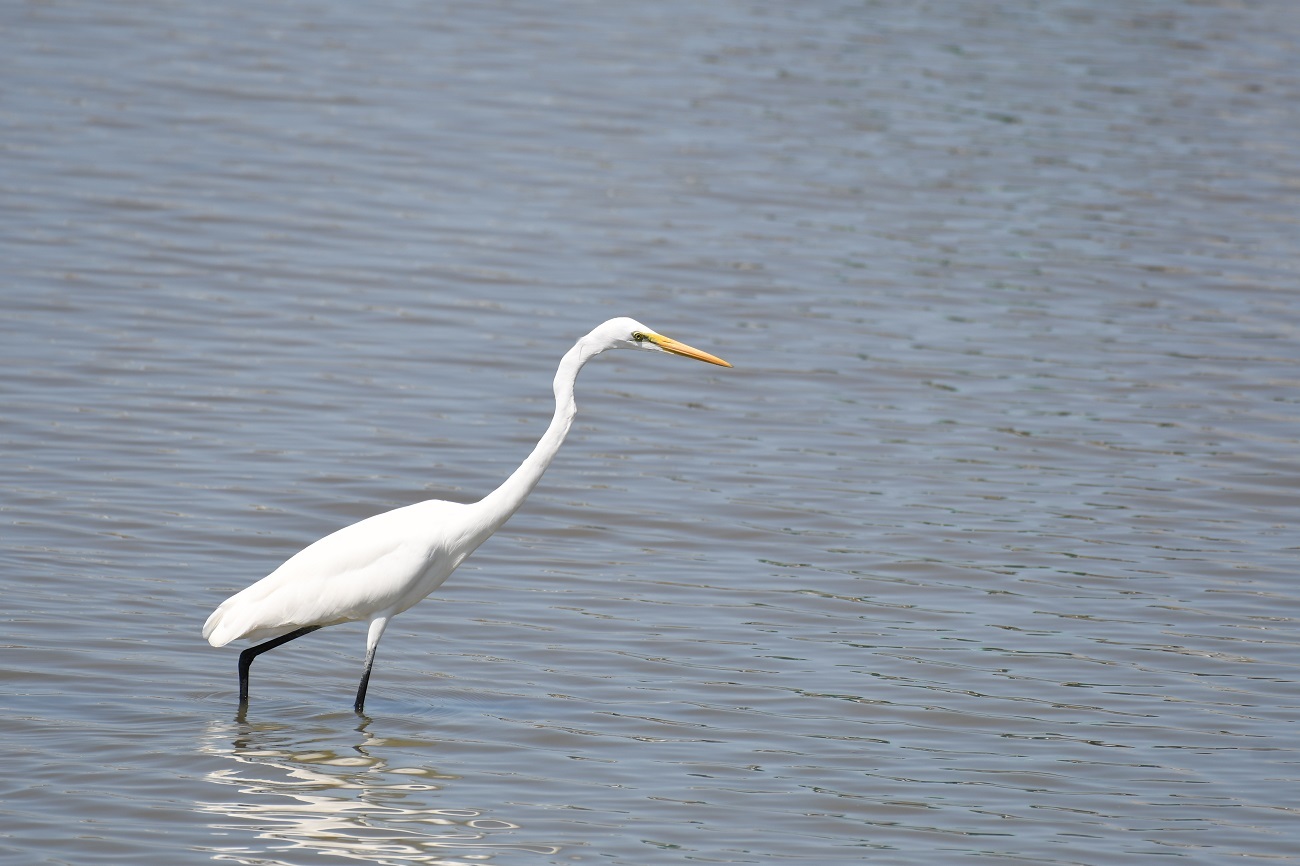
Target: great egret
{"points": [[379, 567]]}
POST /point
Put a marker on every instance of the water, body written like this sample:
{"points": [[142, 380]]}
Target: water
{"points": [[984, 549]]}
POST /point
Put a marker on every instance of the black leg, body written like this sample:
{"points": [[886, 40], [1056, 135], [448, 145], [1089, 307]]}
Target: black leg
{"points": [[247, 656], [360, 704]]}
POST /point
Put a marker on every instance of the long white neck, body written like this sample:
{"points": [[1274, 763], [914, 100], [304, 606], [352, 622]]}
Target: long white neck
{"points": [[498, 505]]}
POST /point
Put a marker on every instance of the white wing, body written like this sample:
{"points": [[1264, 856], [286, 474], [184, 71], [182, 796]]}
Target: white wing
{"points": [[388, 561]]}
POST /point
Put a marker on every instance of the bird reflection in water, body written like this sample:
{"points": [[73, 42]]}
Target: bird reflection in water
{"points": [[282, 795]]}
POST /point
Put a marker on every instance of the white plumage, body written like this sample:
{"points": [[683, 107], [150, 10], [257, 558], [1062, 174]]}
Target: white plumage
{"points": [[385, 562], [380, 566]]}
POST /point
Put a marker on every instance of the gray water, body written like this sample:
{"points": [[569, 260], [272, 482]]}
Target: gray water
{"points": [[984, 550]]}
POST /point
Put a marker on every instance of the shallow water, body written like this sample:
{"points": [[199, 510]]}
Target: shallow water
{"points": [[983, 550]]}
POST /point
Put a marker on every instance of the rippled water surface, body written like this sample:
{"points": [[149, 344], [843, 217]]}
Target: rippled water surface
{"points": [[984, 549]]}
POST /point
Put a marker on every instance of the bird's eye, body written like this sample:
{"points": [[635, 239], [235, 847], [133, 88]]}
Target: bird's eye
{"points": [[638, 336]]}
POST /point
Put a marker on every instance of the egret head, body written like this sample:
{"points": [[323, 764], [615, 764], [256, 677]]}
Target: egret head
{"points": [[625, 333]]}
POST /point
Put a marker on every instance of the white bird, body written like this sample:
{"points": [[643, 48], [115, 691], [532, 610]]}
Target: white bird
{"points": [[379, 567]]}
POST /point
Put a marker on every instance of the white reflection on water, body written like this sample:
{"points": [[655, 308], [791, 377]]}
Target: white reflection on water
{"points": [[350, 803]]}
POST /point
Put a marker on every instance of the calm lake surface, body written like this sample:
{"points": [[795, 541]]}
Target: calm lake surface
{"points": [[984, 550]]}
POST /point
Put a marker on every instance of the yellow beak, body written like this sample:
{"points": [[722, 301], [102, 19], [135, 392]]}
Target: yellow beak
{"points": [[682, 349]]}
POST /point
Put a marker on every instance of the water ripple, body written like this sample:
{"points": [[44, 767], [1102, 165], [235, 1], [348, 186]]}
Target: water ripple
{"points": [[983, 548]]}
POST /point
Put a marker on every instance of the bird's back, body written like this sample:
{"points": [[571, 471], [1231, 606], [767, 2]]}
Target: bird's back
{"points": [[385, 562]]}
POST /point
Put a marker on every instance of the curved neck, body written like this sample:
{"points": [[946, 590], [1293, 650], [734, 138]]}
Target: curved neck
{"points": [[501, 503]]}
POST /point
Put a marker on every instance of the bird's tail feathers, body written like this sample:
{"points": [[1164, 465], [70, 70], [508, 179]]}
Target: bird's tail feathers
{"points": [[213, 630]]}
